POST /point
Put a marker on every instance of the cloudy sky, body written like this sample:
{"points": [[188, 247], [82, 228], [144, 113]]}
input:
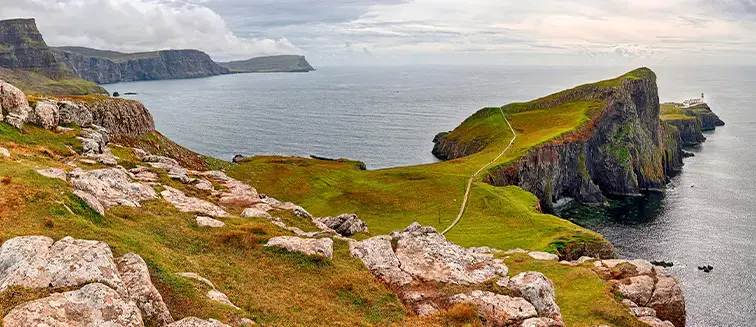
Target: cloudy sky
{"points": [[378, 32]]}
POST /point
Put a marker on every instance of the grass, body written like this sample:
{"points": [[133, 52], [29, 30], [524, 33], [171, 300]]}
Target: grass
{"points": [[31, 82]]}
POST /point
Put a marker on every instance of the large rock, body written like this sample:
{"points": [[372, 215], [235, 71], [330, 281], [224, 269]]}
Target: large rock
{"points": [[196, 322], [14, 104], [56, 173], [426, 255], [110, 187], [72, 113], [92, 305], [345, 224], [668, 300], [45, 114], [497, 309], [4, 153], [544, 256], [203, 221], [191, 204], [309, 246], [541, 322], [238, 192], [136, 279], [378, 256], [656, 322], [539, 291], [637, 289], [37, 262], [255, 212]]}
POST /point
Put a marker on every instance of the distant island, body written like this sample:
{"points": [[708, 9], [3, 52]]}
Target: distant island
{"points": [[24, 56], [270, 64]]}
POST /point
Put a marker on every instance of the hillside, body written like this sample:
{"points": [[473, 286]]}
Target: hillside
{"points": [[142, 213], [103, 67], [270, 64], [27, 61]]}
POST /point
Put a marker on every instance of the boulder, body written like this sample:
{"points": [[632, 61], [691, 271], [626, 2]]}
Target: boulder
{"points": [[4, 153], [203, 221], [180, 174], [237, 158], [204, 185], [111, 187], [543, 256], [643, 312], [541, 322], [539, 291], [426, 255], [136, 279], [345, 224], [13, 102], [45, 114], [53, 173], [91, 201], [238, 192], [37, 262], [321, 247], [73, 113], [668, 300], [255, 212], [378, 256], [656, 322], [497, 309], [196, 322], [165, 161], [190, 204], [93, 305], [637, 289]]}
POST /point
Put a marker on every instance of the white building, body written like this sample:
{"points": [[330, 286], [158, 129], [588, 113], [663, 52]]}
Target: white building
{"points": [[693, 102]]}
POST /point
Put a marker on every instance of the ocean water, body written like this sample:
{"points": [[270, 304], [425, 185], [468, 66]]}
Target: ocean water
{"points": [[388, 117]]}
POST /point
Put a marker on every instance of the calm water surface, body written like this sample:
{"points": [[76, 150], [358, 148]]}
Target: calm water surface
{"points": [[388, 117]]}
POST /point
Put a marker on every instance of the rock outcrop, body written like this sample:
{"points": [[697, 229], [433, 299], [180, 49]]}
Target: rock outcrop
{"points": [[14, 107], [345, 224], [191, 204], [649, 292], [109, 187], [309, 246], [111, 67], [690, 130], [270, 64], [497, 309], [709, 120], [136, 279]]}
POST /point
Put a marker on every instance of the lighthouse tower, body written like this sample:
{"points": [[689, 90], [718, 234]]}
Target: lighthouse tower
{"points": [[702, 98]]}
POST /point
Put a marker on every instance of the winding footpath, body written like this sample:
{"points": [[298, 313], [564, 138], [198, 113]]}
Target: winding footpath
{"points": [[472, 178]]}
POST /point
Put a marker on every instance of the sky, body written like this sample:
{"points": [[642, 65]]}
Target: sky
{"points": [[391, 32]]}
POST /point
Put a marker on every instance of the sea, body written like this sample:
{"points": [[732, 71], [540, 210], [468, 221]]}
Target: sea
{"points": [[388, 116]]}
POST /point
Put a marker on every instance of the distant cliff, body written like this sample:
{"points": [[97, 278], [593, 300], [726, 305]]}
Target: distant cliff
{"points": [[271, 64], [27, 61], [104, 67], [623, 149], [691, 122]]}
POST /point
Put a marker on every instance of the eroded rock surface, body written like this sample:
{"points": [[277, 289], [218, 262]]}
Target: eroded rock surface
{"points": [[497, 309], [136, 279], [109, 187], [191, 204], [92, 305], [539, 291], [309, 246], [345, 224], [53, 173], [15, 106], [196, 322]]}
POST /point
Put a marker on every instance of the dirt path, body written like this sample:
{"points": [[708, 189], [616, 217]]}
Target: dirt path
{"points": [[472, 178]]}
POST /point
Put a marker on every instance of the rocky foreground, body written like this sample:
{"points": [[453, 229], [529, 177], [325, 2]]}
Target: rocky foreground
{"points": [[87, 285]]}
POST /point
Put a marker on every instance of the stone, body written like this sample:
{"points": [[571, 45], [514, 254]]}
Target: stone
{"points": [[13, 102], [111, 187], [497, 309], [515, 251], [196, 322], [541, 322], [237, 158], [238, 192], [637, 289], [668, 300], [378, 256], [4, 153], [320, 247], [91, 201], [180, 174], [191, 204], [204, 185], [426, 255], [345, 224], [72, 113], [539, 291], [168, 162], [255, 212], [196, 276], [656, 322], [136, 279], [53, 173], [584, 259], [543, 256], [425, 309], [503, 282], [93, 305], [45, 114], [203, 221], [643, 312]]}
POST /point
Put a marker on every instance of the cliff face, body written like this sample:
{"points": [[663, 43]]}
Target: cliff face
{"points": [[625, 151], [118, 67], [689, 130], [270, 64], [24, 48], [709, 120]]}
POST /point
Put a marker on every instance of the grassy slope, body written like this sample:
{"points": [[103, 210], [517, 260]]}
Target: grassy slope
{"points": [[31, 82], [672, 111]]}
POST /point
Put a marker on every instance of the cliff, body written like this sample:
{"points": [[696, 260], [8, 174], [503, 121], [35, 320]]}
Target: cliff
{"points": [[620, 149], [27, 62], [270, 64], [709, 120], [691, 122], [110, 67]]}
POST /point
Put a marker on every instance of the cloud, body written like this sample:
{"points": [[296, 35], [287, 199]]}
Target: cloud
{"points": [[141, 25]]}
